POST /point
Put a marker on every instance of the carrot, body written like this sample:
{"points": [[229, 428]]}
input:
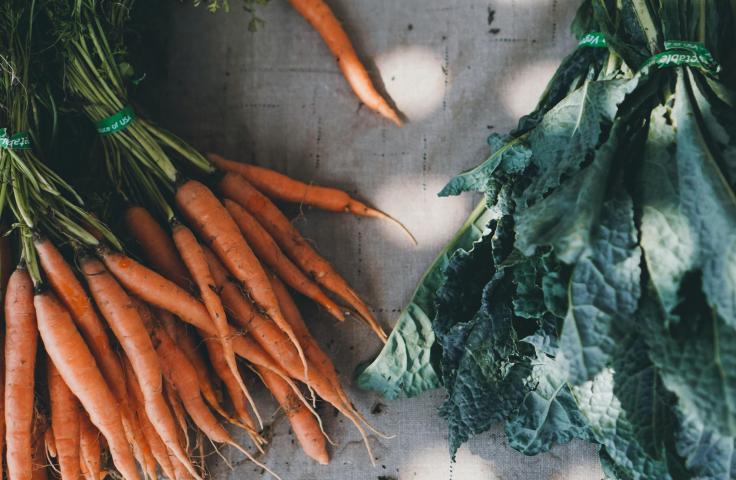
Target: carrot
{"points": [[304, 425], [216, 226], [78, 369], [184, 339], [237, 396], [237, 188], [267, 250], [184, 379], [162, 293], [21, 343], [67, 287], [64, 422], [319, 15], [158, 449], [50, 442], [191, 252], [89, 448], [127, 326], [273, 341], [157, 246], [286, 189], [179, 414]]}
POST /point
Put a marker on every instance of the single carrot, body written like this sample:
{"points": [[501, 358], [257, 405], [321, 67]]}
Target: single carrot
{"points": [[89, 448], [238, 398], [157, 246], [213, 222], [180, 415], [78, 369], [158, 449], [304, 425], [127, 326], [267, 250], [286, 189], [237, 188], [49, 442], [320, 16], [69, 290], [191, 252], [184, 379], [21, 343], [185, 340], [64, 422]]}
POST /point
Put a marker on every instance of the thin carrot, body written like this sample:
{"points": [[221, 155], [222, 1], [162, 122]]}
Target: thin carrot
{"points": [[78, 369], [303, 424], [184, 339], [50, 442], [64, 422], [237, 396], [184, 378], [21, 343], [273, 341], [180, 415], [158, 449], [213, 222], [237, 188], [127, 326], [89, 448], [267, 250], [319, 15], [286, 189], [157, 246], [40, 469], [191, 252]]}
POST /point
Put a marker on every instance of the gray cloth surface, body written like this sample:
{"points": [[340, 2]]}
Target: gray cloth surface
{"points": [[458, 70]]}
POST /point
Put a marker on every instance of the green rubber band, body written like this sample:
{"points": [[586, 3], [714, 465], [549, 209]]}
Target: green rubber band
{"points": [[19, 141], [116, 122], [593, 40], [680, 52]]}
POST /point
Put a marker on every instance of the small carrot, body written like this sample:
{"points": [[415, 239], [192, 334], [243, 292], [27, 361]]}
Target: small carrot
{"points": [[267, 250], [64, 422], [157, 246], [184, 379], [304, 425], [286, 189], [89, 448], [158, 449], [319, 15], [237, 188], [21, 343], [127, 326], [191, 252], [50, 442], [177, 409], [213, 222], [78, 369]]}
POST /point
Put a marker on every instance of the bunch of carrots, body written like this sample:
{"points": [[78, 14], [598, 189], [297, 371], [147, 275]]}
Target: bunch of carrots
{"points": [[129, 364]]}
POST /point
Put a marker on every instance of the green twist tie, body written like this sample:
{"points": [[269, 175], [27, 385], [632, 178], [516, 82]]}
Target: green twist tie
{"points": [[19, 141], [680, 52], [593, 39], [116, 122]]}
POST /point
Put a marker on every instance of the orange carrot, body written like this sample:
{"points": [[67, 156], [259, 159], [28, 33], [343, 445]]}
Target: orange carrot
{"points": [[157, 246], [193, 256], [184, 379], [48, 440], [267, 250], [78, 369], [21, 342], [286, 189], [319, 15], [65, 423], [303, 423], [125, 322], [216, 226], [237, 188], [89, 448], [158, 449]]}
